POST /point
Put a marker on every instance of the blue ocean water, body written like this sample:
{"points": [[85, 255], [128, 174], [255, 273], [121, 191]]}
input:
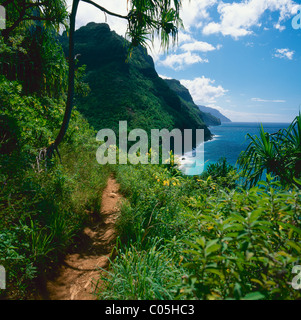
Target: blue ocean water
{"points": [[229, 140]]}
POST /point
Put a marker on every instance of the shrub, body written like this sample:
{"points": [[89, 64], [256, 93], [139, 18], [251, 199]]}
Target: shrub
{"points": [[222, 243]]}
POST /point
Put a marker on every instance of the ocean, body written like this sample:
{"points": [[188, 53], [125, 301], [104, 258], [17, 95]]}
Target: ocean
{"points": [[228, 141]]}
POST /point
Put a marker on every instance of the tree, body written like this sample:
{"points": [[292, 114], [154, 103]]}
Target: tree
{"points": [[20, 11], [145, 19], [29, 48]]}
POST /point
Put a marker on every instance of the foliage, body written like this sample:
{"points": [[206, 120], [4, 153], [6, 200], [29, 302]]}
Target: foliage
{"points": [[222, 172], [179, 237], [140, 275], [22, 13], [43, 204], [278, 154], [36, 60], [221, 243], [245, 244]]}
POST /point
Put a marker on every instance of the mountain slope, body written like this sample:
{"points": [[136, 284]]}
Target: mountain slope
{"points": [[186, 98], [130, 91], [215, 113]]}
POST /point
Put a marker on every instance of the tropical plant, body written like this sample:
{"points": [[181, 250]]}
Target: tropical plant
{"points": [[222, 172], [278, 154], [293, 149]]}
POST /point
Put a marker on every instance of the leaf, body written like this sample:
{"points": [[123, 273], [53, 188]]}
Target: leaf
{"points": [[238, 217], [201, 241], [288, 225], [235, 227], [212, 248], [217, 272], [253, 296], [257, 281], [194, 252], [294, 245], [254, 215], [191, 244]]}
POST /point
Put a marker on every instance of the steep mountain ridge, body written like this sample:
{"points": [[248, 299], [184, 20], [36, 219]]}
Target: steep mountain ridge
{"points": [[215, 113], [130, 91], [185, 96]]}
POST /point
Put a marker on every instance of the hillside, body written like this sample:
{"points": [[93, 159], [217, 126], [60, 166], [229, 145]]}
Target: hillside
{"points": [[215, 113], [130, 91], [186, 98]]}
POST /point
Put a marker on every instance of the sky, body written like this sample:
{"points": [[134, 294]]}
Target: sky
{"points": [[240, 57]]}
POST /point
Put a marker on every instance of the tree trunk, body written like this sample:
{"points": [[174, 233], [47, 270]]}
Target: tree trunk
{"points": [[69, 103]]}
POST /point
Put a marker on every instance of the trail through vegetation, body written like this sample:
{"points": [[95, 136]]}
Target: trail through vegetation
{"points": [[76, 277]]}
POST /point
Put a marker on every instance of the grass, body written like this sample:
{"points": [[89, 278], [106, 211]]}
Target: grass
{"points": [[146, 274]]}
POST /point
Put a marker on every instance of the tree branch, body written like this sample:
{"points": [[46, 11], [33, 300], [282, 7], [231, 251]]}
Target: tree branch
{"points": [[105, 10], [5, 32]]}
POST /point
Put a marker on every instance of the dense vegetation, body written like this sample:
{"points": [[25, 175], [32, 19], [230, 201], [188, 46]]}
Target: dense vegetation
{"points": [[44, 203], [193, 238], [180, 237]]}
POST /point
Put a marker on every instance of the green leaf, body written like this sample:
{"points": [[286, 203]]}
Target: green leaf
{"points": [[294, 245], [254, 215], [217, 272], [238, 217], [290, 226], [212, 248], [201, 241], [253, 296]]}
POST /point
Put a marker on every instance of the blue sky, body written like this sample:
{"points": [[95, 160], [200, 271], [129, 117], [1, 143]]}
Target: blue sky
{"points": [[240, 57]]}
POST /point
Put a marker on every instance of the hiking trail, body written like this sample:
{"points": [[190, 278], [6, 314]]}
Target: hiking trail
{"points": [[80, 269]]}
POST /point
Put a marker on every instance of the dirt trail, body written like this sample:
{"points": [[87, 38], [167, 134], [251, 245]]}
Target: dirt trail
{"points": [[80, 268]]}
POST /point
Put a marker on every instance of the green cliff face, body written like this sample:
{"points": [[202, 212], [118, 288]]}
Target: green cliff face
{"points": [[187, 100], [130, 91]]}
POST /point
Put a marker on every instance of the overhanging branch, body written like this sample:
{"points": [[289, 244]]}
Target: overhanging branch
{"points": [[105, 10]]}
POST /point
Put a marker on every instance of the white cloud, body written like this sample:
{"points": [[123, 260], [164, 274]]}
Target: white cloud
{"points": [[184, 37], [203, 90], [156, 50], [263, 100], [193, 12], [238, 18], [198, 46], [284, 54], [279, 27], [164, 77], [249, 44], [179, 61]]}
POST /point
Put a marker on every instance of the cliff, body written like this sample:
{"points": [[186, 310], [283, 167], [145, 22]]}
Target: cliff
{"points": [[130, 91]]}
